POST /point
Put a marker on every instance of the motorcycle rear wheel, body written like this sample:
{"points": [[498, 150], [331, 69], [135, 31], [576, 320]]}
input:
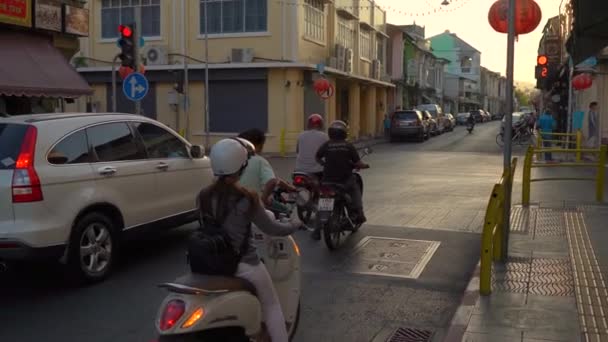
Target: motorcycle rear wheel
{"points": [[229, 334], [332, 231]]}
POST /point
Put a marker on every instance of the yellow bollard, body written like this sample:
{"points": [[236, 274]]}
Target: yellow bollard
{"points": [[579, 143], [487, 237], [601, 174], [539, 145], [282, 143], [527, 176], [500, 227]]}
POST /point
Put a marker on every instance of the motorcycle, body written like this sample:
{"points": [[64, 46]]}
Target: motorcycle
{"points": [[307, 187], [332, 210], [470, 128], [215, 308]]}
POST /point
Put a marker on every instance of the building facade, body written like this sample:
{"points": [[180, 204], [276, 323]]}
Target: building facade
{"points": [[37, 40], [264, 57], [416, 71], [463, 72], [492, 98]]}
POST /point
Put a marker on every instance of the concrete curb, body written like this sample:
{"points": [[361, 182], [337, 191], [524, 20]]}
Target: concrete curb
{"points": [[460, 321]]}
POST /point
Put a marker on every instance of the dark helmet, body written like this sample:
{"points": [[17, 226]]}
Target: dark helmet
{"points": [[338, 130], [315, 121]]}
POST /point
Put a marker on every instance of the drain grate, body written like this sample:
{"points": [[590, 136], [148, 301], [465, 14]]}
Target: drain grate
{"points": [[410, 335]]}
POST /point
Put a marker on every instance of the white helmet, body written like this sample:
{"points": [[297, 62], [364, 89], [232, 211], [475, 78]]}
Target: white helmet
{"points": [[248, 145], [228, 157]]}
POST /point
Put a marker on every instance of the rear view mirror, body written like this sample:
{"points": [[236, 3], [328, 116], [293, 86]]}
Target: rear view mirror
{"points": [[197, 151]]}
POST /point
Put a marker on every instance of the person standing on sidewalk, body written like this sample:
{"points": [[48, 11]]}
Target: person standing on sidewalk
{"points": [[593, 125], [387, 126], [546, 123]]}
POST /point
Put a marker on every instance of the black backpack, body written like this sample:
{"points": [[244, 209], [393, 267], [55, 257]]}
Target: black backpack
{"points": [[210, 250]]}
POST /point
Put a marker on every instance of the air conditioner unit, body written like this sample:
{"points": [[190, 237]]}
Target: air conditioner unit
{"points": [[156, 55], [332, 62], [242, 55], [340, 53], [348, 60]]}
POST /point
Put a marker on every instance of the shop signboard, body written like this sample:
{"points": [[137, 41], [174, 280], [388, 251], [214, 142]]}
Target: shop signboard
{"points": [[76, 21], [16, 12], [47, 15]]}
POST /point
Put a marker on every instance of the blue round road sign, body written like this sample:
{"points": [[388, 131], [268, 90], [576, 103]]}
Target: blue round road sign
{"points": [[135, 86]]}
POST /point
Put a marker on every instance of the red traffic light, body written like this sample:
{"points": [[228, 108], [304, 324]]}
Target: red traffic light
{"points": [[542, 60], [125, 31]]}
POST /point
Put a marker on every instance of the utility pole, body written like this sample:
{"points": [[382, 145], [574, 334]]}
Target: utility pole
{"points": [[136, 38], [508, 132], [114, 82], [207, 126]]}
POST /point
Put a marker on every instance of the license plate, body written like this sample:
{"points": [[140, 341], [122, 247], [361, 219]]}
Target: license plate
{"points": [[326, 204]]}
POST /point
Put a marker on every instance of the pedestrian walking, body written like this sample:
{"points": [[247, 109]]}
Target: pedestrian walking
{"points": [[546, 123], [593, 126]]}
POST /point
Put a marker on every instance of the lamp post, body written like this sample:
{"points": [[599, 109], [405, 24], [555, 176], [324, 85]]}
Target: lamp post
{"points": [[207, 147], [508, 130]]}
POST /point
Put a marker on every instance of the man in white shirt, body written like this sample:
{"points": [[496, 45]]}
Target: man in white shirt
{"points": [[309, 142]]}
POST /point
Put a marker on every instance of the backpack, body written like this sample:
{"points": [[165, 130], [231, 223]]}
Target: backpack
{"points": [[210, 250]]}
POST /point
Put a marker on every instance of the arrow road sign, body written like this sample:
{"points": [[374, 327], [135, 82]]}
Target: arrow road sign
{"points": [[135, 86]]}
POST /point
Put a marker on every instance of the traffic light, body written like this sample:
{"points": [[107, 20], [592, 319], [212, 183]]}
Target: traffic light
{"points": [[127, 45], [542, 71]]}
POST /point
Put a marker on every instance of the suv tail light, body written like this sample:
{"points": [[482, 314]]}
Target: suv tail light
{"points": [[26, 184], [173, 311]]}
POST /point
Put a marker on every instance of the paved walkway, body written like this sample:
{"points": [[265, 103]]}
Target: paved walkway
{"points": [[553, 286]]}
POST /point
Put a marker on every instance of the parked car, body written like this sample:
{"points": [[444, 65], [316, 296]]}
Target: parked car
{"points": [[477, 114], [451, 120], [496, 116], [433, 126], [461, 118], [487, 115], [74, 185], [409, 123], [437, 113]]}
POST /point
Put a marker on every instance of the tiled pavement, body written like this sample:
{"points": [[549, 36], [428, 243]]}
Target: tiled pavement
{"points": [[551, 289]]}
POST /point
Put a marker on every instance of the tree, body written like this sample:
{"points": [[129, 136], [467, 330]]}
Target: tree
{"points": [[523, 96]]}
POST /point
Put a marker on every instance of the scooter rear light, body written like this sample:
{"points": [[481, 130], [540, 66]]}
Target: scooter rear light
{"points": [[299, 180], [174, 310], [327, 191], [194, 317]]}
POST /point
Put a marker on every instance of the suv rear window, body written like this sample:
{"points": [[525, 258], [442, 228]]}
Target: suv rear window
{"points": [[406, 116], [11, 136]]}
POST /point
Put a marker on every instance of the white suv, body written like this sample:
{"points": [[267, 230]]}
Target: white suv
{"points": [[72, 185]]}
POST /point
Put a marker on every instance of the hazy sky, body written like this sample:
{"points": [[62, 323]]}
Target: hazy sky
{"points": [[469, 20]]}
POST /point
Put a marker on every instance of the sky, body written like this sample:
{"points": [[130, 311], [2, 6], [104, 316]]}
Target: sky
{"points": [[469, 20]]}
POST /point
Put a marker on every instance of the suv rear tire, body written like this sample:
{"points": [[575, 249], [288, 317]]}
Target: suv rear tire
{"points": [[94, 235]]}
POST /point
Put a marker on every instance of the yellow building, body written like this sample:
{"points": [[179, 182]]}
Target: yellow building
{"points": [[263, 55]]}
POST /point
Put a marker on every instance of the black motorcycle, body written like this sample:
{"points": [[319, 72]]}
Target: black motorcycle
{"points": [[332, 210]]}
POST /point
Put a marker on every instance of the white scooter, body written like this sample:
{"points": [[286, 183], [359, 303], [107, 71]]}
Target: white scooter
{"points": [[214, 308]]}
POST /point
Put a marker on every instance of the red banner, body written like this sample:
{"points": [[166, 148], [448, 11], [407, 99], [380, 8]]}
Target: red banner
{"points": [[16, 12]]}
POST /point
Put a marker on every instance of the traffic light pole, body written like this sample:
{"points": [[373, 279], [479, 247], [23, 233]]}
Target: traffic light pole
{"points": [[507, 134], [136, 38], [114, 82]]}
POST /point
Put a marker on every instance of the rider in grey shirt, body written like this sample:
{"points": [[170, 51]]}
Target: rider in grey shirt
{"points": [[309, 142]]}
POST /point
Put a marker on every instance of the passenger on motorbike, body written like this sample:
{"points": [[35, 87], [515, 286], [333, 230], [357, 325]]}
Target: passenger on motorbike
{"points": [[259, 175], [339, 158], [471, 120], [237, 208], [309, 142]]}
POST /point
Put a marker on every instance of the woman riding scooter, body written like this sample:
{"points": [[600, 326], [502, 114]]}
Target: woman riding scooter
{"points": [[237, 208]]}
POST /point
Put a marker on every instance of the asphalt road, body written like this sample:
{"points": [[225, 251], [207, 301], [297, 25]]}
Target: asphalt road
{"points": [[432, 192]]}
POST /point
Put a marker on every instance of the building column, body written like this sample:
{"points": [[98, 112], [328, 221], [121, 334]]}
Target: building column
{"points": [[331, 104], [370, 111], [354, 102], [381, 108]]}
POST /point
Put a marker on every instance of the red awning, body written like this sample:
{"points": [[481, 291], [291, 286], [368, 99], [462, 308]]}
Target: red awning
{"points": [[31, 66]]}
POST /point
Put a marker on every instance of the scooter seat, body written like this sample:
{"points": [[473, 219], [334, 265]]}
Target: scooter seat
{"points": [[212, 283]]}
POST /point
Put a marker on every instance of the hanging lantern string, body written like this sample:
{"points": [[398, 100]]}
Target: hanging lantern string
{"points": [[455, 5]]}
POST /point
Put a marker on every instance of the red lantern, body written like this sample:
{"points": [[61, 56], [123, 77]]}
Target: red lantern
{"points": [[527, 16], [582, 81], [321, 85]]}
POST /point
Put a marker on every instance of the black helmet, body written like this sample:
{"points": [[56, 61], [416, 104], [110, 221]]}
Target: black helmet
{"points": [[338, 130]]}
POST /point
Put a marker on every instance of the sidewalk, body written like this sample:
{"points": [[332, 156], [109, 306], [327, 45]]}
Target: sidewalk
{"points": [[553, 287]]}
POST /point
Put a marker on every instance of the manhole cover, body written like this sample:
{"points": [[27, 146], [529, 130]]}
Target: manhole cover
{"points": [[410, 335], [392, 257]]}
